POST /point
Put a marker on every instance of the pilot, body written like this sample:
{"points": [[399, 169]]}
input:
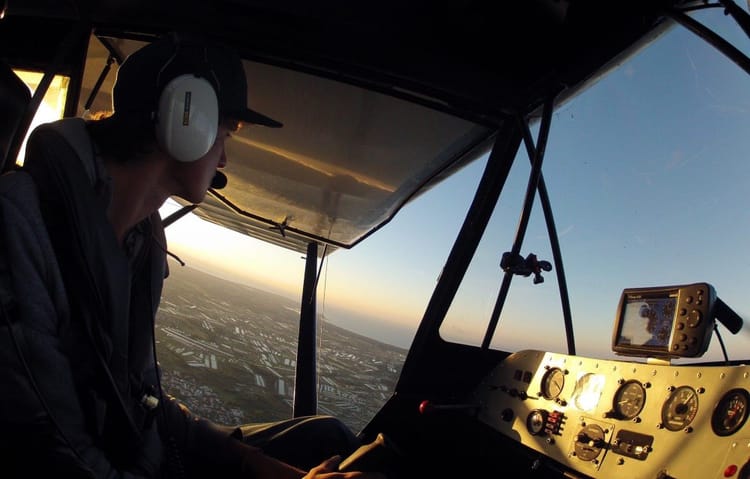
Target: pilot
{"points": [[82, 262]]}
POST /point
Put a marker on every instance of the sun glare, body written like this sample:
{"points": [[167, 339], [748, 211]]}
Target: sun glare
{"points": [[52, 106], [234, 256]]}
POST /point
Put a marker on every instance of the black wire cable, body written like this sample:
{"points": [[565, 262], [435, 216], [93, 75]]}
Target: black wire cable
{"points": [[320, 269], [174, 458], [721, 343]]}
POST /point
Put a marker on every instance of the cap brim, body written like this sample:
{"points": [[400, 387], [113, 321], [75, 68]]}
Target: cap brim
{"points": [[250, 116]]}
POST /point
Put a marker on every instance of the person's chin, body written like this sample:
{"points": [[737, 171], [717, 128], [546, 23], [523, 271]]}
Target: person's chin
{"points": [[194, 198]]}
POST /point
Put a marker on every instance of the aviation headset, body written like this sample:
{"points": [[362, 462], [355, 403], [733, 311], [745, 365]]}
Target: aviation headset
{"points": [[187, 114]]}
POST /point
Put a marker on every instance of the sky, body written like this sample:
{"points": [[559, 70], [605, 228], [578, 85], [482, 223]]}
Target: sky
{"points": [[648, 175]]}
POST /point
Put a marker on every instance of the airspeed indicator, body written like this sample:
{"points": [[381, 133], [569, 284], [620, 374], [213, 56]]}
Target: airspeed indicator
{"points": [[680, 408]]}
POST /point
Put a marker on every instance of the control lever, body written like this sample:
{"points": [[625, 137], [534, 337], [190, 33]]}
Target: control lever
{"points": [[381, 455], [427, 407]]}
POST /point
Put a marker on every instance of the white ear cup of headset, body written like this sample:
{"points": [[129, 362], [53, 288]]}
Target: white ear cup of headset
{"points": [[188, 117]]}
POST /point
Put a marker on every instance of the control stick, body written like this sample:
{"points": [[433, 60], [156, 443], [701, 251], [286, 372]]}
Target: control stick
{"points": [[381, 455]]}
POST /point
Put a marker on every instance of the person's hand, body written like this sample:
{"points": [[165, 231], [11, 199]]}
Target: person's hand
{"points": [[328, 469]]}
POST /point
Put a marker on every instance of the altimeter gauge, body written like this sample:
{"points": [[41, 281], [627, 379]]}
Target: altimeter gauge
{"points": [[629, 399]]}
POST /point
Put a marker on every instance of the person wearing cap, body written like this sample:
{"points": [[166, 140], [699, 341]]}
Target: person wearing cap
{"points": [[82, 261]]}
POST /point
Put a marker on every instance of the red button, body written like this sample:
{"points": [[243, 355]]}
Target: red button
{"points": [[730, 471]]}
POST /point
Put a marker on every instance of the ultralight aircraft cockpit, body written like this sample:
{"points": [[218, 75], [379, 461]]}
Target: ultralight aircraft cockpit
{"points": [[418, 131]]}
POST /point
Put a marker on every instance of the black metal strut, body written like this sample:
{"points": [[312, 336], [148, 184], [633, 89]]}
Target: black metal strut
{"points": [[554, 243], [712, 38], [514, 254], [306, 380], [72, 40]]}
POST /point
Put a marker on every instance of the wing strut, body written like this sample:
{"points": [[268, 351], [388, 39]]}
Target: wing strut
{"points": [[306, 381]]}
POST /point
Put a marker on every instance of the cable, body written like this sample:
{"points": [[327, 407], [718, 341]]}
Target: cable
{"points": [[320, 269], [176, 467], [721, 342]]}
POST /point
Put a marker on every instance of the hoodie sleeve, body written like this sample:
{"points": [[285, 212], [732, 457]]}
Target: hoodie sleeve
{"points": [[46, 430]]}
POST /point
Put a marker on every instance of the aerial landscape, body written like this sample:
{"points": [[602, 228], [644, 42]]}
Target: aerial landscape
{"points": [[228, 352]]}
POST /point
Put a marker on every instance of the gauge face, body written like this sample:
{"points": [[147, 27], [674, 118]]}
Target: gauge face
{"points": [[588, 391], [552, 383], [680, 408], [629, 399], [731, 412], [536, 421]]}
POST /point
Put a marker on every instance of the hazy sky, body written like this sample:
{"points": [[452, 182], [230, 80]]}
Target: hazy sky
{"points": [[648, 175]]}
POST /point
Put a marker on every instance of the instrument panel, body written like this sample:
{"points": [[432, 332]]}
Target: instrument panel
{"points": [[612, 418]]}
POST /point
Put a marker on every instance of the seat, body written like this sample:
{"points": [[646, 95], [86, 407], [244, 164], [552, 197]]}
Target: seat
{"points": [[15, 97]]}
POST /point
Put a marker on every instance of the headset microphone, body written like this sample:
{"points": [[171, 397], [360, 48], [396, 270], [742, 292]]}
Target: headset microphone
{"points": [[219, 181]]}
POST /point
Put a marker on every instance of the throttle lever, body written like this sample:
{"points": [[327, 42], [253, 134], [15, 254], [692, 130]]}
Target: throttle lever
{"points": [[427, 407]]}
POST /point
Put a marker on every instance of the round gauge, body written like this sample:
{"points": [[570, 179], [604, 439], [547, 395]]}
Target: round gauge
{"points": [[731, 412], [629, 399], [588, 391], [536, 421], [680, 408], [552, 383]]}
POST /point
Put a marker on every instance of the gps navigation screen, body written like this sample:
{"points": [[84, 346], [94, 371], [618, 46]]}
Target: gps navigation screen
{"points": [[647, 321]]}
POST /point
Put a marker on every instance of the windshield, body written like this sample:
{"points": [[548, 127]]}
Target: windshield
{"points": [[647, 172]]}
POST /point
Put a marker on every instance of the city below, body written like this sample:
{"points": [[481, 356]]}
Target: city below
{"points": [[228, 352]]}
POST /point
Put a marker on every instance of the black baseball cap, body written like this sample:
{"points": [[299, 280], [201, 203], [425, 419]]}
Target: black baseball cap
{"points": [[146, 71]]}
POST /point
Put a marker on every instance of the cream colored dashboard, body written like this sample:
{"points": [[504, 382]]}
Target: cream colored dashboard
{"points": [[613, 418]]}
